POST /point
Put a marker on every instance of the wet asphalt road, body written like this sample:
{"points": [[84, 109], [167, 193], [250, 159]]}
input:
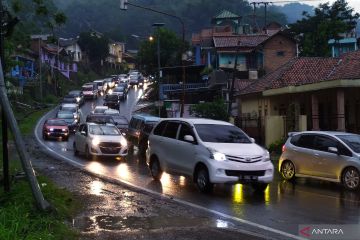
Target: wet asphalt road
{"points": [[283, 205]]}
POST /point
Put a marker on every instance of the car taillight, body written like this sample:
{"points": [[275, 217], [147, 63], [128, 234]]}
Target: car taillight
{"points": [[283, 148]]}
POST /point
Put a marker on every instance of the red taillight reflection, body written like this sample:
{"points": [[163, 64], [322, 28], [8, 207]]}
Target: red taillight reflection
{"points": [[283, 148]]}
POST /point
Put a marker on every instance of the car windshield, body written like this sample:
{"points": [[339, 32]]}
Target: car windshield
{"points": [[74, 94], [119, 89], [103, 130], [111, 97], [353, 141], [99, 110], [100, 119], [56, 123], [68, 109], [120, 120], [218, 133], [87, 88], [99, 83], [65, 115]]}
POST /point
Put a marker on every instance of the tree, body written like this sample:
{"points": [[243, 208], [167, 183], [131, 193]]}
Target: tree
{"points": [[328, 22], [96, 48], [171, 47], [214, 110]]}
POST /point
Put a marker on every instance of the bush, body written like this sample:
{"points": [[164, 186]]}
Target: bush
{"points": [[51, 99], [276, 147], [214, 110]]}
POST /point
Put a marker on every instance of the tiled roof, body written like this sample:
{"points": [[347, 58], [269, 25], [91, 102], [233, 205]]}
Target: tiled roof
{"points": [[225, 14], [241, 84], [243, 40], [298, 71]]}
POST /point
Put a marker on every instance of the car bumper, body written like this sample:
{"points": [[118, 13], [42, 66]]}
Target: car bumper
{"points": [[57, 134], [234, 172], [89, 96], [120, 152]]}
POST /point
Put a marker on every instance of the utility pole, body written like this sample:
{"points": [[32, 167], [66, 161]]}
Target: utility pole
{"points": [[265, 8], [3, 117], [231, 93], [40, 69]]}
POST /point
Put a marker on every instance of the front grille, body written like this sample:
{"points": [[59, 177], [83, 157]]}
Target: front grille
{"points": [[252, 159], [237, 173], [58, 131], [110, 147]]}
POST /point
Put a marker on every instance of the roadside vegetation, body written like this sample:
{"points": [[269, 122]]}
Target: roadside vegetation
{"points": [[19, 217]]}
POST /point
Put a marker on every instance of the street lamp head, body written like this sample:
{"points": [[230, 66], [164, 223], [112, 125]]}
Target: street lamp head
{"points": [[158, 24], [151, 38]]}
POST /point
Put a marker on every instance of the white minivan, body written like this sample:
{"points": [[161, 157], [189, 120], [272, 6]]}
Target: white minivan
{"points": [[209, 151]]}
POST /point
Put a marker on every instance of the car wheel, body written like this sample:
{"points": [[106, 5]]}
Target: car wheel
{"points": [[259, 187], [155, 169], [203, 181], [87, 153], [288, 170], [76, 152], [351, 178]]}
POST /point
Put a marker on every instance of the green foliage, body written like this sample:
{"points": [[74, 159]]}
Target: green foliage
{"points": [[51, 99], [170, 50], [19, 218], [214, 110], [96, 48], [314, 31], [276, 147]]}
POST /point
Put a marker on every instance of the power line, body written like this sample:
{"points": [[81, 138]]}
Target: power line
{"points": [[288, 1]]}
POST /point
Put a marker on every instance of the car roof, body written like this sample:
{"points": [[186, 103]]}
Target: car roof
{"points": [[101, 107], [200, 121], [331, 133], [147, 117], [69, 105], [99, 81], [75, 91]]}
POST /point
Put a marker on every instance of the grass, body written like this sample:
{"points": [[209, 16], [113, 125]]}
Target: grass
{"points": [[19, 217]]}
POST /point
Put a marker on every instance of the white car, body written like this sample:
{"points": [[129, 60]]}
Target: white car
{"points": [[209, 151], [73, 108], [100, 109], [102, 85], [100, 140]]}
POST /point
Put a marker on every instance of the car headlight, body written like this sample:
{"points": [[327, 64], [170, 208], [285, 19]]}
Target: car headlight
{"points": [[216, 155], [123, 142], [64, 130], [78, 99], [267, 156], [51, 129], [110, 91], [95, 142]]}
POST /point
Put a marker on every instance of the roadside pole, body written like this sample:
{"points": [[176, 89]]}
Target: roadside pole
{"points": [[3, 117]]}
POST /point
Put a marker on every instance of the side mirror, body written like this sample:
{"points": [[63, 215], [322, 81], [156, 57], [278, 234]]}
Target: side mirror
{"points": [[252, 140], [333, 150], [189, 138], [83, 133]]}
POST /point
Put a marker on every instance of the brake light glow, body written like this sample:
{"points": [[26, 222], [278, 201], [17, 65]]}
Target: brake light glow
{"points": [[283, 148]]}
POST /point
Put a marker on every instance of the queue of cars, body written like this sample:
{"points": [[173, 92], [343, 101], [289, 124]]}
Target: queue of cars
{"points": [[208, 151]]}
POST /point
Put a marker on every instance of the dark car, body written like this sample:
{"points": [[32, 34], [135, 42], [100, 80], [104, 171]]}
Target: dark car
{"points": [[125, 86], [121, 92], [55, 128], [69, 99], [121, 121], [112, 101], [77, 94], [139, 130], [100, 119], [68, 117]]}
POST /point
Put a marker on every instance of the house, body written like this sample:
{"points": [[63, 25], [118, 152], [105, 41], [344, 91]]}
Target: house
{"points": [[116, 51], [347, 42], [306, 93], [25, 70], [72, 47]]}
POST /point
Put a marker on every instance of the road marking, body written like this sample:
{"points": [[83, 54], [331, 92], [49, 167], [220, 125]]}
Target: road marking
{"points": [[169, 197]]}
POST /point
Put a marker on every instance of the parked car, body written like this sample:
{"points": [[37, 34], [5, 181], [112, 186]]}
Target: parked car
{"points": [[90, 91], [139, 129], [99, 109], [73, 108], [121, 92], [68, 117], [330, 156], [210, 152], [112, 101], [100, 119], [121, 121], [55, 128], [99, 140], [77, 94]]}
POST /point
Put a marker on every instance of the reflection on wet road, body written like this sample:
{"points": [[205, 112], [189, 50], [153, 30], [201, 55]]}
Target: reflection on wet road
{"points": [[283, 205]]}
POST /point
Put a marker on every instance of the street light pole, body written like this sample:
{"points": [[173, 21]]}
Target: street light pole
{"points": [[231, 93], [158, 25], [123, 6]]}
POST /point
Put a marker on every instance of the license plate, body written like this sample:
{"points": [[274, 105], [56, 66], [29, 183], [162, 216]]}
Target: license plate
{"points": [[248, 178]]}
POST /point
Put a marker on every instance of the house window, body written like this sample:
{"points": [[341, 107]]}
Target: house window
{"points": [[280, 53]]}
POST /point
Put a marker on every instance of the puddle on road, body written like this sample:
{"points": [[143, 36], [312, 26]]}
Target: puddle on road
{"points": [[96, 223], [96, 188]]}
